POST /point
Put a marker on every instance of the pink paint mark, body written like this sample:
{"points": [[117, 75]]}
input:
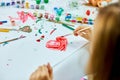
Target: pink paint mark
{"points": [[51, 17], [23, 16], [59, 44]]}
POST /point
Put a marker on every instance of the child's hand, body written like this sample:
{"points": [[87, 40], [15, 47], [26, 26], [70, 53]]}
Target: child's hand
{"points": [[84, 33], [43, 73]]}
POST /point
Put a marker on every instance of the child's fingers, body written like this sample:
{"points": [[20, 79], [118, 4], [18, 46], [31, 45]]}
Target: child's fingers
{"points": [[50, 70], [77, 29], [40, 74], [33, 76]]}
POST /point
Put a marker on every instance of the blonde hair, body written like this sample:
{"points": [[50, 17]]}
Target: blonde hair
{"points": [[105, 45]]}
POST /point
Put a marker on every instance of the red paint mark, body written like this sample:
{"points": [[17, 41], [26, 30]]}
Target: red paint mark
{"points": [[46, 15], [1, 23], [38, 40], [73, 21], [59, 44], [42, 36], [84, 20], [88, 12], [53, 31]]}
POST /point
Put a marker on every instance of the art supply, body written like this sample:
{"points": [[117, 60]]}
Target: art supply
{"points": [[26, 29], [27, 5], [67, 35], [53, 31], [46, 1], [68, 27], [7, 30], [3, 21], [59, 11], [72, 33], [59, 22], [38, 1], [13, 39], [85, 29], [23, 29], [4, 30]]}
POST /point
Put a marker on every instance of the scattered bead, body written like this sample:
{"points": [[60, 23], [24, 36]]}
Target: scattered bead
{"points": [[46, 1], [57, 19], [88, 12], [38, 1]]}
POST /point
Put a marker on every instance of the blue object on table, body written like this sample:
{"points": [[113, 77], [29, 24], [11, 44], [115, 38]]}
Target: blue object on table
{"points": [[17, 6], [13, 3], [55, 8], [3, 21], [58, 11], [8, 4], [68, 17], [2, 3], [90, 22]]}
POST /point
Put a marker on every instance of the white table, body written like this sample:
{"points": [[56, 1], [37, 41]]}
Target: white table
{"points": [[21, 57], [18, 59]]}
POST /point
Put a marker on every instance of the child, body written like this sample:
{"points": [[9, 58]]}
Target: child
{"points": [[104, 63]]}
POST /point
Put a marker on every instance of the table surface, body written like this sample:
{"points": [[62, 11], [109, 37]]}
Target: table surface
{"points": [[21, 57]]}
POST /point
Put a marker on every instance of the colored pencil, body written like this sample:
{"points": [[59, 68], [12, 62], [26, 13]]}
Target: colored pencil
{"points": [[13, 39]]}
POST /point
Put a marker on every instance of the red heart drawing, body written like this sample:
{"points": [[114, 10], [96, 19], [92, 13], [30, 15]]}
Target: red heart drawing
{"points": [[59, 44]]}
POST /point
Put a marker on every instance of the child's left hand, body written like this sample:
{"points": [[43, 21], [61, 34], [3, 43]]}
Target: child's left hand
{"points": [[43, 73]]}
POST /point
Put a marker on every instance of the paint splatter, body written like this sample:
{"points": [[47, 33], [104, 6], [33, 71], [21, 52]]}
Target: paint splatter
{"points": [[5, 43], [59, 44], [41, 38], [35, 34], [88, 12], [26, 29], [71, 42], [46, 31], [53, 31], [39, 31], [7, 64], [38, 40]]}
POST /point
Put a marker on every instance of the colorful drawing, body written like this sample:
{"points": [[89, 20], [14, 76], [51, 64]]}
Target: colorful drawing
{"points": [[26, 29], [59, 44]]}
